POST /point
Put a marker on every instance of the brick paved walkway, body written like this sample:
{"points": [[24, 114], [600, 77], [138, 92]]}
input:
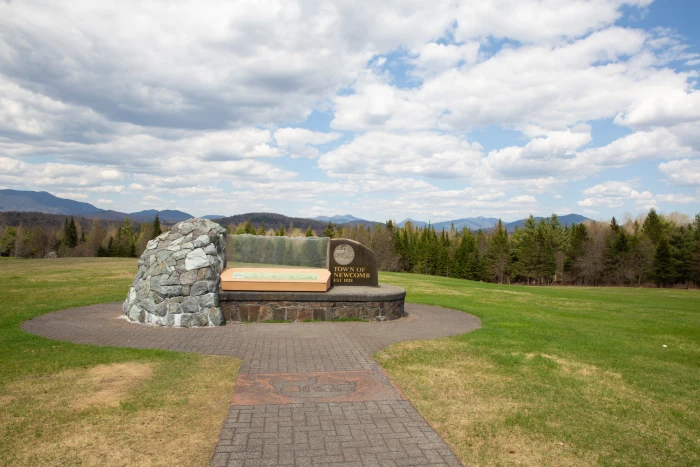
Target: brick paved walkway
{"points": [[308, 394]]}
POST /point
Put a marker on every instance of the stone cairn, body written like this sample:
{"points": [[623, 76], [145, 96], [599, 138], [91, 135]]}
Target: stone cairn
{"points": [[177, 282]]}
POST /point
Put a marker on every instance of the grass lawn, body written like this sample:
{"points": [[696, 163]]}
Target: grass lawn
{"points": [[558, 376], [67, 404]]}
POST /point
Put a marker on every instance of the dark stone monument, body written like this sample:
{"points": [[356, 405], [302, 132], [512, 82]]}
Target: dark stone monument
{"points": [[352, 264]]}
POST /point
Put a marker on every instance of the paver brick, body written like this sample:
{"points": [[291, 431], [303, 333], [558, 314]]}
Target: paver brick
{"points": [[342, 430]]}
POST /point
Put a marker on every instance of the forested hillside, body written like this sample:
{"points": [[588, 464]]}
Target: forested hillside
{"points": [[654, 249]]}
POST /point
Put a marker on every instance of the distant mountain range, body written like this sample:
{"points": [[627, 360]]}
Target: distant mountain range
{"points": [[485, 223], [346, 219], [471, 223], [35, 201], [41, 201]]}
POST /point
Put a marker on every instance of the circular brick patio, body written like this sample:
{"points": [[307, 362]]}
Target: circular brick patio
{"points": [[307, 393]]}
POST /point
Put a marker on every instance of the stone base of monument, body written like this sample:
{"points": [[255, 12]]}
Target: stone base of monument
{"points": [[382, 303]]}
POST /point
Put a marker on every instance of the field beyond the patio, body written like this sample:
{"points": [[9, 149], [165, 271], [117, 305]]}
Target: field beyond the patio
{"points": [[556, 376]]}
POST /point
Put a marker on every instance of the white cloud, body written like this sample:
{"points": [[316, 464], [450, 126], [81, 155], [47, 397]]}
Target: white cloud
{"points": [[553, 86], [614, 194], [135, 106], [682, 172], [240, 61], [542, 156], [642, 145], [378, 104], [46, 175], [433, 58], [299, 142], [671, 108], [417, 154], [537, 20], [523, 199], [104, 201]]}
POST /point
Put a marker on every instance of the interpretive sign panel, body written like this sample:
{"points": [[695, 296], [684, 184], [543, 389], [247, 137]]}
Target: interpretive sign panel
{"points": [[276, 279], [276, 276], [351, 263]]}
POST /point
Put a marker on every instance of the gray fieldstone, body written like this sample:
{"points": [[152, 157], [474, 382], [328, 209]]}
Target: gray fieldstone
{"points": [[216, 317], [177, 280], [190, 277], [201, 241], [189, 305], [196, 259], [203, 287]]}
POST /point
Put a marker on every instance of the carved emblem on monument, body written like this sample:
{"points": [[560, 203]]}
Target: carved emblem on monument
{"points": [[343, 254]]}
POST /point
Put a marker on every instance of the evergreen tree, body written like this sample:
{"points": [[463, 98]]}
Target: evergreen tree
{"points": [[616, 254], [156, 230], [653, 227], [682, 245], [309, 232], [248, 228], [111, 251], [578, 238], [544, 262], [8, 241], [499, 254], [524, 250], [329, 231], [261, 230], [663, 264], [70, 236]]}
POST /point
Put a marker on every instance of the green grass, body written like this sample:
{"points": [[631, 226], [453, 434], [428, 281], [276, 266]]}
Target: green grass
{"points": [[558, 376], [62, 403]]}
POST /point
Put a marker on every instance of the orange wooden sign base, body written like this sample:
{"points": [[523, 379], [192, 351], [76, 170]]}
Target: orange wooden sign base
{"points": [[276, 279]]}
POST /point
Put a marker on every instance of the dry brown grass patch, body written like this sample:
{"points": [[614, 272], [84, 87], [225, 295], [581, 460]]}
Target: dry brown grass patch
{"points": [[111, 383], [151, 414], [469, 402]]}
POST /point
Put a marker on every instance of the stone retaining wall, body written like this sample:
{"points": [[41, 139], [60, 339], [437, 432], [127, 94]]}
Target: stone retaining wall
{"points": [[305, 311]]}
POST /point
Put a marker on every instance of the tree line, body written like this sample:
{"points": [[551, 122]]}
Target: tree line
{"points": [[654, 249], [126, 239]]}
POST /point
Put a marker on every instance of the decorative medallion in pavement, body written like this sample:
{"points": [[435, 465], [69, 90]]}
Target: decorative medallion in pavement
{"points": [[289, 388], [311, 389]]}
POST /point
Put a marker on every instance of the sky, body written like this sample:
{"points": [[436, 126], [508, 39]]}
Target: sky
{"points": [[430, 110]]}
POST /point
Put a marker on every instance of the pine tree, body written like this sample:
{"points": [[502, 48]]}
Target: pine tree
{"points": [[499, 254], [309, 232], [524, 254], [329, 231], [663, 265], [70, 236], [248, 228], [156, 230], [653, 227], [261, 230]]}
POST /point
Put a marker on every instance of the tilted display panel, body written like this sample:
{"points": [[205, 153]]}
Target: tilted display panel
{"points": [[259, 251]]}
